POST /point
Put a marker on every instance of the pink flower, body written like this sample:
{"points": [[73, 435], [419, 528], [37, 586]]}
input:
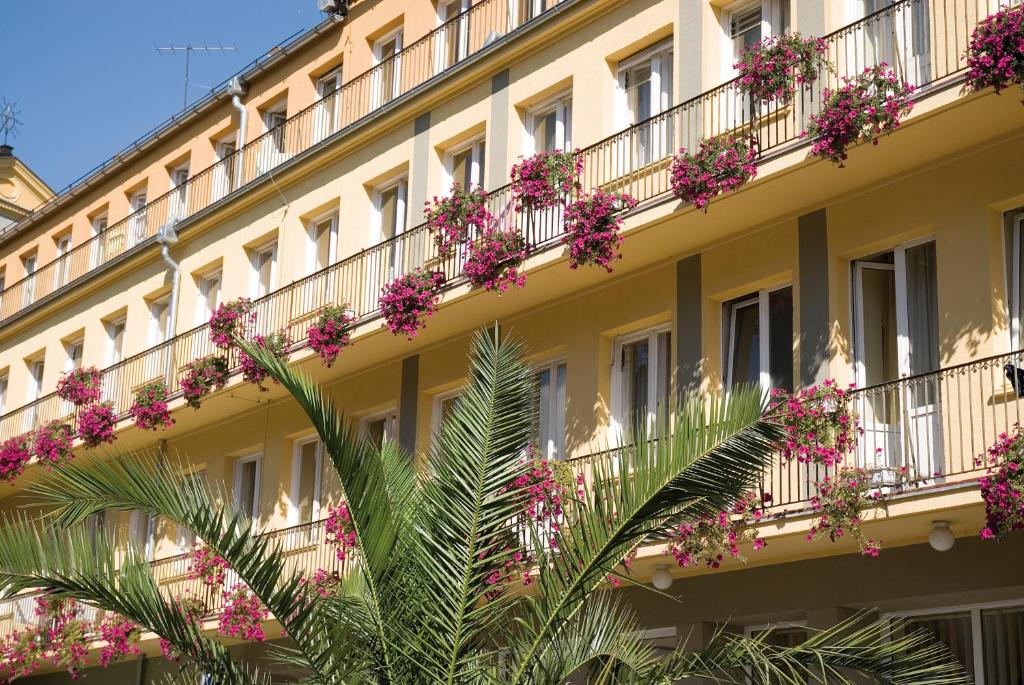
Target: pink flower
{"points": [[331, 333], [721, 165], [150, 410], [96, 424], [405, 301], [81, 386], [202, 377]]}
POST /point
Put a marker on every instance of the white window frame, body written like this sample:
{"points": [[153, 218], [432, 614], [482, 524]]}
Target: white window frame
{"points": [[327, 113], [254, 279], [5, 382], [138, 200], [318, 480], [236, 481], [536, 7], [202, 313], [552, 366], [69, 347], [772, 23], [62, 266], [156, 335], [477, 146], [761, 299], [30, 263], [976, 626], [223, 176], [561, 104], [395, 253], [388, 416], [36, 375], [617, 435], [656, 55], [147, 535], [98, 225], [179, 177], [114, 355], [396, 68], [332, 249], [460, 26], [439, 399], [1016, 311]]}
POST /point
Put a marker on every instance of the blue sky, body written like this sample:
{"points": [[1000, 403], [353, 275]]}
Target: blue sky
{"points": [[88, 80]]}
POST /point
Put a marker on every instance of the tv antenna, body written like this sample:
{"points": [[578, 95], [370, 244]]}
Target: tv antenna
{"points": [[9, 121], [188, 49]]}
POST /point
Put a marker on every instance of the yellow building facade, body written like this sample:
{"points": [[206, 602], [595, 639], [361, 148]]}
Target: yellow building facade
{"points": [[302, 182]]}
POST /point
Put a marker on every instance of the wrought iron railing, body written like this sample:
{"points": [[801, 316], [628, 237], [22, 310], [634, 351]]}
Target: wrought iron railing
{"points": [[482, 25], [635, 161]]}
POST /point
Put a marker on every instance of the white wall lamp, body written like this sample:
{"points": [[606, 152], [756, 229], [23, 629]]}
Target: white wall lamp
{"points": [[661, 579], [941, 538]]}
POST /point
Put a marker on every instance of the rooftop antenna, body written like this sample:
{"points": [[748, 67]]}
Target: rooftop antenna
{"points": [[9, 121], [188, 49]]}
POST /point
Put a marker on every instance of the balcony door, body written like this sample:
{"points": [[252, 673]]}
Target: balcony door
{"points": [[896, 327], [900, 37]]}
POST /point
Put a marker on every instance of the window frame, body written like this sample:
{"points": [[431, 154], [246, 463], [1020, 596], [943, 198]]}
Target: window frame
{"points": [[761, 298], [318, 480], [389, 415], [775, 19], [203, 311], [69, 346], [654, 54], [477, 147], [1015, 282], [157, 336], [617, 424], [397, 35], [5, 385], [437, 404], [401, 182], [561, 104], [255, 253], [332, 241], [114, 355], [236, 480], [552, 366]]}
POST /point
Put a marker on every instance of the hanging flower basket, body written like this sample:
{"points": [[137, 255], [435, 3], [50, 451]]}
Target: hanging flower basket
{"points": [[592, 226], [408, 299], [332, 332], [207, 566], [494, 262], [150, 410], [52, 444], [121, 637], [820, 428], [339, 531], [995, 55], [203, 377], [81, 386], [230, 321], [721, 165], [546, 179], [454, 219], [14, 455], [708, 541], [96, 424], [243, 615], [865, 108], [772, 70], [839, 506], [278, 344], [1002, 486]]}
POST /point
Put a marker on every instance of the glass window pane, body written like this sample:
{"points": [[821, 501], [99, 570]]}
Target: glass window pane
{"points": [[745, 362], [1003, 638], [780, 342], [462, 167], [635, 369], [558, 418], [544, 412], [389, 212], [922, 308], [953, 630], [664, 389], [307, 490], [245, 494], [878, 327]]}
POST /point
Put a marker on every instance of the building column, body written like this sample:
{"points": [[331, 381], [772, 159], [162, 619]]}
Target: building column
{"points": [[497, 132], [408, 401], [814, 297], [419, 173], [689, 338], [810, 18], [689, 65]]}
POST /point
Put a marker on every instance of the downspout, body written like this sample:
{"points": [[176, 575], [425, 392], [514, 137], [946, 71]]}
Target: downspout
{"points": [[167, 236], [238, 88]]}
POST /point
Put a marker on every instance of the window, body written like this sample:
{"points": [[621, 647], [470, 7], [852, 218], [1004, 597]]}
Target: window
{"points": [[137, 222], [525, 10], [1015, 249], [208, 296], [307, 477], [29, 264], [391, 221], [178, 207], [143, 532], [549, 125], [4, 380], [75, 349], [36, 369], [115, 340], [645, 90], [323, 242], [99, 226], [388, 73], [988, 639], [246, 488], [444, 405], [896, 334], [264, 268], [272, 150], [380, 428], [452, 36], [641, 384], [899, 37], [62, 263], [224, 171], [159, 318], [465, 164], [759, 343], [185, 538], [550, 436], [746, 22], [325, 119]]}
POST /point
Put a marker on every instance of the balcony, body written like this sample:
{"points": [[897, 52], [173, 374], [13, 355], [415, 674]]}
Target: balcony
{"points": [[485, 25], [635, 161]]}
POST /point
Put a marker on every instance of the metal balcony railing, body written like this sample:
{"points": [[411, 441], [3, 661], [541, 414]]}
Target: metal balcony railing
{"points": [[485, 23], [304, 547], [925, 39]]}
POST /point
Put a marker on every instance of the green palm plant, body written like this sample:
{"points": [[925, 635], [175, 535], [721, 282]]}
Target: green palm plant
{"points": [[419, 604]]}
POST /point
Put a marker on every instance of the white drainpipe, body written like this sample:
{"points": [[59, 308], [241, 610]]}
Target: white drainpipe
{"points": [[167, 236], [238, 88]]}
